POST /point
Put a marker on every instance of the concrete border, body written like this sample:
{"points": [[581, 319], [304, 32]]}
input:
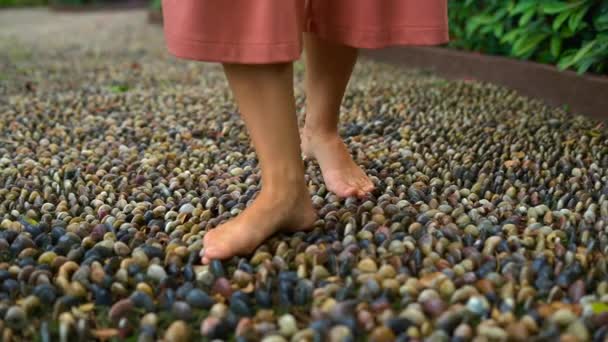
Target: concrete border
{"points": [[583, 94]]}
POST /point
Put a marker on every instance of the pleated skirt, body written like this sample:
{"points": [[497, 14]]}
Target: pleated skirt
{"points": [[270, 31]]}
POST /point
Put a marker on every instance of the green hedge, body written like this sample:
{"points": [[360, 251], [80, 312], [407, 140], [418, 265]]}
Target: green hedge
{"points": [[569, 34], [22, 3], [75, 2]]}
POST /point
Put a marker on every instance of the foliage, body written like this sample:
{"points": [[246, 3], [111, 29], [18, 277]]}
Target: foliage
{"points": [[156, 5], [567, 33], [21, 3], [84, 2], [72, 2]]}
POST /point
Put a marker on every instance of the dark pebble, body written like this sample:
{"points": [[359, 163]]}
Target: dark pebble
{"points": [[398, 324], [142, 300], [167, 298], [303, 292], [183, 290], [181, 310], [11, 287], [101, 295], [46, 293], [199, 299], [239, 307], [263, 299]]}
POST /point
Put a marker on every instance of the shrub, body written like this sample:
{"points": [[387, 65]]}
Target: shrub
{"points": [[569, 34], [156, 5], [20, 3]]}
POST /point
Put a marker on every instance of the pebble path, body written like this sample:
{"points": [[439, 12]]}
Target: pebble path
{"points": [[488, 223]]}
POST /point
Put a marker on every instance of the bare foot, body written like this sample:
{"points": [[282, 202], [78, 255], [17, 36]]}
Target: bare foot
{"points": [[341, 174], [288, 209]]}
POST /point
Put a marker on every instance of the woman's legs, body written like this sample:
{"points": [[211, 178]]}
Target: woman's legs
{"points": [[328, 69], [265, 97]]}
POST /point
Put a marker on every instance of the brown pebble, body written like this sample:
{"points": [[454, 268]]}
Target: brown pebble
{"points": [[366, 319], [120, 309], [245, 324], [568, 338], [517, 331], [382, 334], [485, 286], [434, 307], [178, 331], [464, 331]]}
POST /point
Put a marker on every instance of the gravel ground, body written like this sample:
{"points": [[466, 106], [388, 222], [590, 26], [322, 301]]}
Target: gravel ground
{"points": [[489, 219]]}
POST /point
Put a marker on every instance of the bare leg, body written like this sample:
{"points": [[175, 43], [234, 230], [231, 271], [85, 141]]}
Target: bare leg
{"points": [[328, 69], [265, 97]]}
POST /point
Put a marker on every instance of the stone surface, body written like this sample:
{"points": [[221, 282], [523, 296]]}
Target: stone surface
{"points": [[487, 222]]}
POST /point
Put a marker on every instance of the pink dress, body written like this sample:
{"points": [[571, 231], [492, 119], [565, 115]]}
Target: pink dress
{"points": [[270, 31]]}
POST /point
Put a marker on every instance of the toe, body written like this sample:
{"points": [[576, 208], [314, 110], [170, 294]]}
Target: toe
{"points": [[361, 182], [215, 253], [362, 193], [368, 186], [204, 258], [207, 238], [345, 190]]}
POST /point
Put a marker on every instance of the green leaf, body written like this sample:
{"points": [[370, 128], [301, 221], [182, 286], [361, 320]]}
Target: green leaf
{"points": [[575, 20], [556, 45], [472, 25], [566, 32], [522, 7], [528, 43], [525, 19], [575, 56], [120, 88], [554, 7], [583, 51], [585, 64], [498, 15], [511, 6], [599, 307], [565, 62], [559, 20], [498, 30], [601, 22], [602, 38], [477, 21], [486, 29], [511, 36]]}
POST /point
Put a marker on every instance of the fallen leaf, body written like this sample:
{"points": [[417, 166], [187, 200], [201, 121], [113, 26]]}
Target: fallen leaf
{"points": [[512, 163], [105, 333], [519, 154], [599, 307]]}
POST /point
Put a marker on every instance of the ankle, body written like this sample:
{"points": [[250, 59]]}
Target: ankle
{"points": [[283, 187], [319, 132], [275, 196]]}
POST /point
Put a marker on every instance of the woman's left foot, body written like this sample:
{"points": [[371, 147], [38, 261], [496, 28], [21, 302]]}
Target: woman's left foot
{"points": [[288, 209]]}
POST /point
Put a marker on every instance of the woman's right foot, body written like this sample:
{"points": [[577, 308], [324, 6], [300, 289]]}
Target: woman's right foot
{"points": [[341, 174]]}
